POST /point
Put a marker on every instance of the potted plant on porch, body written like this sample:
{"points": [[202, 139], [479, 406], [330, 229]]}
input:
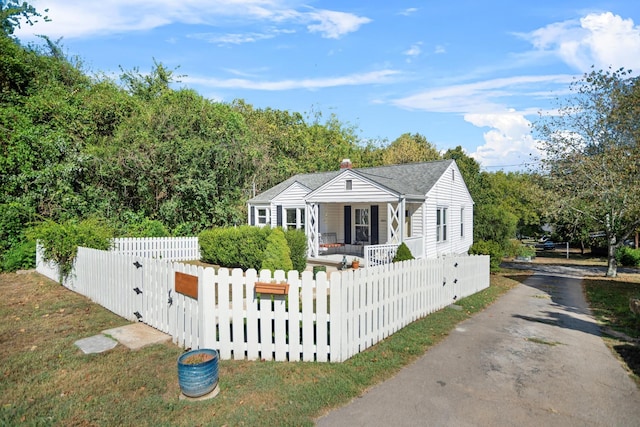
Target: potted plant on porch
{"points": [[198, 372], [355, 263]]}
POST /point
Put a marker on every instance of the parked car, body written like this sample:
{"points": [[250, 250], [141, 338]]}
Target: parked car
{"points": [[548, 245]]}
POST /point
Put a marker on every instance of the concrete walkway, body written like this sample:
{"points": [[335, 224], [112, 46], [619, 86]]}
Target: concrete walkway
{"points": [[534, 358], [133, 336]]}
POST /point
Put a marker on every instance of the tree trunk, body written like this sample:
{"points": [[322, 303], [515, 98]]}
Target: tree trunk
{"points": [[612, 264]]}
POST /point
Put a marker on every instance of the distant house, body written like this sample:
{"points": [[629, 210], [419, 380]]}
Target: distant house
{"points": [[354, 211]]}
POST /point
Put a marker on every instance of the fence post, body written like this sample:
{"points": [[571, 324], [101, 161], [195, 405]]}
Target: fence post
{"points": [[207, 307]]}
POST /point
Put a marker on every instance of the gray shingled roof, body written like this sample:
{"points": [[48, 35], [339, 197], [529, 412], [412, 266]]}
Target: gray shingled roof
{"points": [[410, 178]]}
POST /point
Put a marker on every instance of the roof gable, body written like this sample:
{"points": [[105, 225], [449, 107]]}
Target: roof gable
{"points": [[406, 179]]}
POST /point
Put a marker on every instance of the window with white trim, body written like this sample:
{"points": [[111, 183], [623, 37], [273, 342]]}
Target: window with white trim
{"points": [[294, 218], [262, 216], [362, 225], [461, 222], [441, 225]]}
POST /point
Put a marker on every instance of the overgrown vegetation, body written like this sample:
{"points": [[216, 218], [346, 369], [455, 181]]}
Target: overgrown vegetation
{"points": [[60, 241]]}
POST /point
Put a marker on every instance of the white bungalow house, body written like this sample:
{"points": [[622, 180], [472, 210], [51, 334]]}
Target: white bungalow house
{"points": [[369, 211]]}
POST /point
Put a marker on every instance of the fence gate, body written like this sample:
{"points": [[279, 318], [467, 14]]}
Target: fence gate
{"points": [[165, 297], [152, 292]]}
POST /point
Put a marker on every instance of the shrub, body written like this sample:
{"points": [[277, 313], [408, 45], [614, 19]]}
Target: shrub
{"points": [[234, 247], [403, 253], [628, 257], [19, 257], [60, 241], [515, 248], [297, 241], [217, 246], [147, 228], [277, 255], [491, 248], [14, 218]]}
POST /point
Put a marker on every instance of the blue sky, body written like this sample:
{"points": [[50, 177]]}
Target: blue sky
{"points": [[470, 73]]}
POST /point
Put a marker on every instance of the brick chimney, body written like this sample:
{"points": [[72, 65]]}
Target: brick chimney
{"points": [[346, 164]]}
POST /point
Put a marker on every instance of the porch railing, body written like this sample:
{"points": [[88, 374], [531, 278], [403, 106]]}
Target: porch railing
{"points": [[379, 254]]}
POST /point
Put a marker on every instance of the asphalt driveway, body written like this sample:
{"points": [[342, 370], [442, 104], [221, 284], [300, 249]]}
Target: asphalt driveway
{"points": [[534, 358]]}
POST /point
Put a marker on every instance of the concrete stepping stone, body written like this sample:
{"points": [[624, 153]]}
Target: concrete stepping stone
{"points": [[96, 344], [137, 335]]}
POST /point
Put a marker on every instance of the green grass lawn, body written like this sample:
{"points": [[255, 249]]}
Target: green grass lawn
{"points": [[47, 380]]}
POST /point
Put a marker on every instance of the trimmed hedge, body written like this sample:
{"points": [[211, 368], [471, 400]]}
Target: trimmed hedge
{"points": [[277, 255], [297, 241], [245, 247]]}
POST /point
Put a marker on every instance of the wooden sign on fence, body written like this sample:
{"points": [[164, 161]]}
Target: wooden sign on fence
{"points": [[187, 284]]}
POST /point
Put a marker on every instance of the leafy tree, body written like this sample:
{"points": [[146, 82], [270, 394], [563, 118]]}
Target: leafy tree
{"points": [[592, 147], [13, 11], [409, 148]]}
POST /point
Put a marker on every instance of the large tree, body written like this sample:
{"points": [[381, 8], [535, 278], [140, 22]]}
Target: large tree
{"points": [[591, 148]]}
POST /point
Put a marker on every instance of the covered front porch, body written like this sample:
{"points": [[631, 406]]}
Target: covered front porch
{"points": [[369, 231]]}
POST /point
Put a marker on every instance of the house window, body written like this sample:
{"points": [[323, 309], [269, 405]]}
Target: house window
{"points": [[295, 218], [362, 225], [262, 216], [441, 224], [461, 222], [349, 184]]}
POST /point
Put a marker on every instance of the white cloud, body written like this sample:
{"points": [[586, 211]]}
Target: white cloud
{"points": [[509, 144], [231, 38], [414, 50], [408, 11], [374, 77], [333, 25], [601, 40], [479, 97], [81, 18]]}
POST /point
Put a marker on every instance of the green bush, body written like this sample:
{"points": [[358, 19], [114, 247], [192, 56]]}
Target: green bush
{"points": [[491, 248], [297, 241], [246, 247], [20, 257], [14, 219], [147, 228], [515, 248], [403, 253], [277, 255], [628, 257], [234, 247], [60, 241]]}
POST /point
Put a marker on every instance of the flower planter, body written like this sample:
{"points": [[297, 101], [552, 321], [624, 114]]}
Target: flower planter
{"points": [[198, 372], [355, 264]]}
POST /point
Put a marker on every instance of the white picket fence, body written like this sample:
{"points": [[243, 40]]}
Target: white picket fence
{"points": [[322, 320], [167, 248]]}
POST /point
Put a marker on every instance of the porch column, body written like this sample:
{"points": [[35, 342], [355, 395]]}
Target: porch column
{"points": [[311, 229], [395, 221]]}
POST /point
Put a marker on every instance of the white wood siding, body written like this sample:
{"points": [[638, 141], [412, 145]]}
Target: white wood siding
{"points": [[292, 197], [361, 191], [451, 193]]}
